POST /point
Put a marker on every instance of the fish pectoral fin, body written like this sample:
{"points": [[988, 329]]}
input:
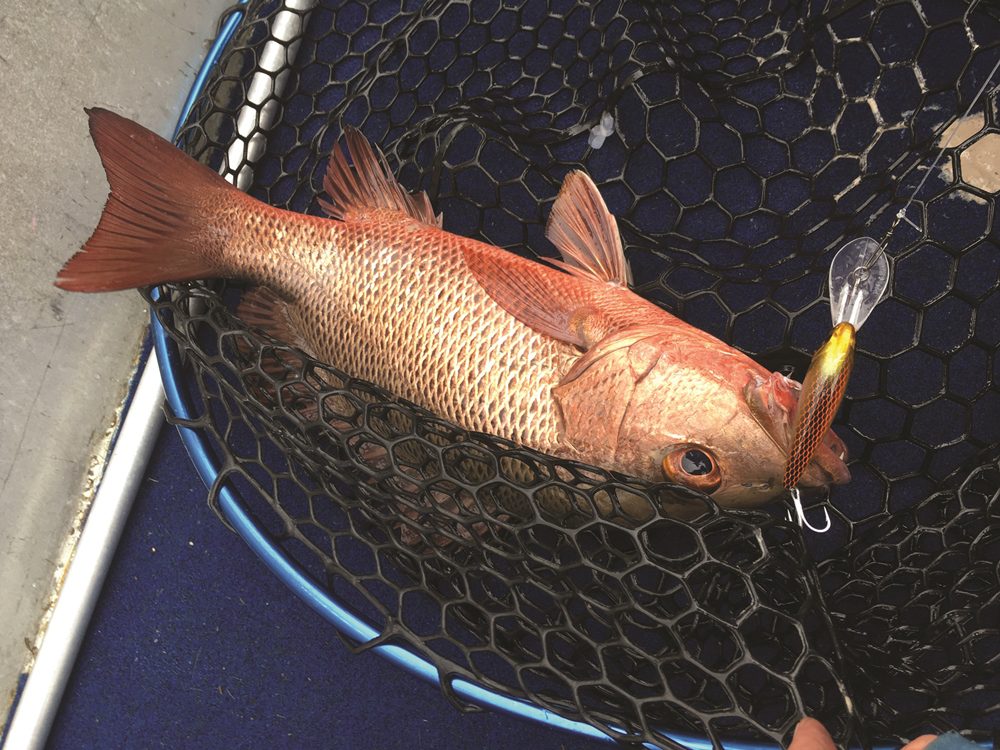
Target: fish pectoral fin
{"points": [[637, 362], [592, 405], [595, 395], [586, 233], [263, 308], [538, 296], [369, 185]]}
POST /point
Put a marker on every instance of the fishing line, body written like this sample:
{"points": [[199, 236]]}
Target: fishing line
{"points": [[901, 214], [859, 279]]}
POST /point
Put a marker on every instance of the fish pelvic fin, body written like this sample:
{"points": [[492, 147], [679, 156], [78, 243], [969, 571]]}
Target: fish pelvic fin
{"points": [[586, 233], [156, 223], [368, 185]]}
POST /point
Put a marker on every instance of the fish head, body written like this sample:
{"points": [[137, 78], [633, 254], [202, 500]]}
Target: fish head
{"points": [[686, 408]]}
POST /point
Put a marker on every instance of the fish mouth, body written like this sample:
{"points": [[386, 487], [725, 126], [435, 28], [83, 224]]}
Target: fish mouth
{"points": [[774, 401], [829, 465]]}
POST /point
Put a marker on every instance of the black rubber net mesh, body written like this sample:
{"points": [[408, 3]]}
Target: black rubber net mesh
{"points": [[751, 140]]}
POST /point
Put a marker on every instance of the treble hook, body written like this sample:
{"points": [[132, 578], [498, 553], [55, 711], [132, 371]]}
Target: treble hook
{"points": [[801, 514]]}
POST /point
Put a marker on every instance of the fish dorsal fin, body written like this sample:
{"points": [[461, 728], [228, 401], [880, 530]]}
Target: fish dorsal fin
{"points": [[542, 298], [586, 233], [369, 185]]}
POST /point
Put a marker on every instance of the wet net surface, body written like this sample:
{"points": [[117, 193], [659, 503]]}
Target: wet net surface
{"points": [[751, 141]]}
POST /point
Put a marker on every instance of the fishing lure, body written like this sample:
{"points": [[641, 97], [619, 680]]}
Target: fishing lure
{"points": [[859, 277]]}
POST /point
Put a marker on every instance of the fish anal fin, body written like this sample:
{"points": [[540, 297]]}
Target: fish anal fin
{"points": [[542, 298], [263, 308], [363, 184], [586, 233]]}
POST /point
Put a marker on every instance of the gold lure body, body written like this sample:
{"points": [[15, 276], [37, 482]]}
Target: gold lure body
{"points": [[822, 391]]}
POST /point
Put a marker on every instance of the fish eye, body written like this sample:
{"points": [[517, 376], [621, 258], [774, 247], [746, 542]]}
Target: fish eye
{"points": [[694, 467], [696, 462]]}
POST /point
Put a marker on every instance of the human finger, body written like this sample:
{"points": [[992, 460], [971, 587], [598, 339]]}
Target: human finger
{"points": [[920, 742], [811, 735]]}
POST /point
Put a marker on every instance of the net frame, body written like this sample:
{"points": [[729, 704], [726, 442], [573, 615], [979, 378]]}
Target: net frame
{"points": [[971, 498]]}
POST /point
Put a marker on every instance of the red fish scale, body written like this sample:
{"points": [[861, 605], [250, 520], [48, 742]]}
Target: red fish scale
{"points": [[395, 304], [394, 301]]}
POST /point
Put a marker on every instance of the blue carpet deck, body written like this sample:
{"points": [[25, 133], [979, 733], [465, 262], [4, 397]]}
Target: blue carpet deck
{"points": [[195, 644]]}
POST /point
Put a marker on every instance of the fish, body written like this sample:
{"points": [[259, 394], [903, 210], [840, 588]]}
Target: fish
{"points": [[560, 357]]}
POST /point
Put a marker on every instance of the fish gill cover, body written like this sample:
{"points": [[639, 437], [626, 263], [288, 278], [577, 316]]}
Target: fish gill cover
{"points": [[751, 140]]}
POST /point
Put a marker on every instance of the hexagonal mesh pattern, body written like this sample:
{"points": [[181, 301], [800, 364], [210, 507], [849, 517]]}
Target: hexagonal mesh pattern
{"points": [[751, 141]]}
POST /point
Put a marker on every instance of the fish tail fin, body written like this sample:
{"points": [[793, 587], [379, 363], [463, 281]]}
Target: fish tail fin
{"points": [[156, 225]]}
